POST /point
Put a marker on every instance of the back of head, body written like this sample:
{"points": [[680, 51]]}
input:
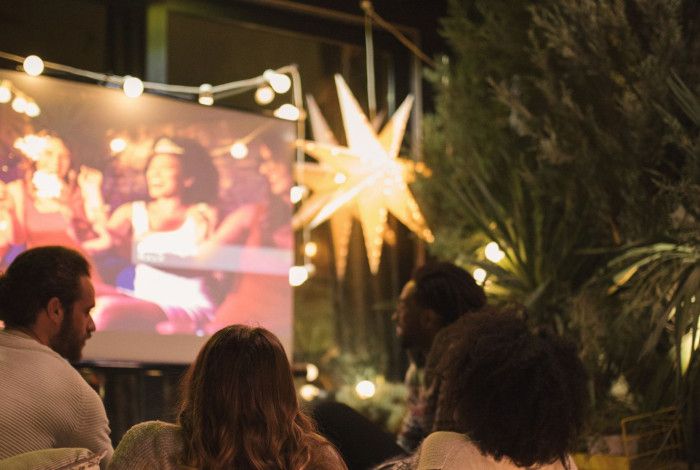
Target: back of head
{"points": [[239, 405], [448, 290], [34, 277], [516, 394]]}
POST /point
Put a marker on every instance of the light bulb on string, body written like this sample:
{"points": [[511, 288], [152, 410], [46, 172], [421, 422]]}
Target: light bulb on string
{"points": [[19, 104], [308, 392], [296, 193], [133, 87], [493, 252], [206, 96], [33, 65], [310, 249], [298, 275], [365, 389], [279, 82], [311, 372], [287, 111], [479, 275], [32, 110], [264, 95], [5, 91], [239, 150]]}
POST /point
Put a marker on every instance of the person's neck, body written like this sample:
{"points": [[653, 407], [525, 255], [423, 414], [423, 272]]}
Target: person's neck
{"points": [[169, 204]]}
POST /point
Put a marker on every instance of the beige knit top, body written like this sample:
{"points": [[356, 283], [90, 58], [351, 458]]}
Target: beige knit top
{"points": [[158, 445], [45, 403]]}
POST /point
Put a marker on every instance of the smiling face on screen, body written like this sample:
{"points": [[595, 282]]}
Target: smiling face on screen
{"points": [[164, 176]]}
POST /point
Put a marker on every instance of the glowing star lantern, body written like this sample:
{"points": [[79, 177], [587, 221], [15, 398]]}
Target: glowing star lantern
{"points": [[365, 180]]}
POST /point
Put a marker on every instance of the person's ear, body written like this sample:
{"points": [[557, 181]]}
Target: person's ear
{"points": [[54, 310], [188, 182]]}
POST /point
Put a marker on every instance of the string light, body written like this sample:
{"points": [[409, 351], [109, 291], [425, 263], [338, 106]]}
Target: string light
{"points": [[296, 193], [33, 65], [19, 104], [206, 96], [32, 110], [365, 389], [479, 275], [287, 111], [310, 249], [239, 150], [340, 178], [279, 82], [311, 372], [298, 275], [264, 95], [5, 91], [308, 392], [133, 87], [493, 252]]}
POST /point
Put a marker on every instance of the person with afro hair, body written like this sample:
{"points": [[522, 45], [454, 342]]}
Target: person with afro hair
{"points": [[518, 398]]}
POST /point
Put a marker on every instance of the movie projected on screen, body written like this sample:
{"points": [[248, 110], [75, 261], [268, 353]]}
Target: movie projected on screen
{"points": [[182, 210]]}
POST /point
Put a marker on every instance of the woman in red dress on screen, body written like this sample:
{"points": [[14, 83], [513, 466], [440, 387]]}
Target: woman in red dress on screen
{"points": [[173, 224], [46, 206]]}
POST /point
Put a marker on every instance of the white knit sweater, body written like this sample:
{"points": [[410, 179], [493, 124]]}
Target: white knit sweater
{"points": [[45, 403]]}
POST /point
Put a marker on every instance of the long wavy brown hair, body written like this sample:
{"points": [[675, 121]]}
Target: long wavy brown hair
{"points": [[240, 408]]}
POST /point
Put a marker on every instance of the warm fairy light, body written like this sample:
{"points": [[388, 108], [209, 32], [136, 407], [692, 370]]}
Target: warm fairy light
{"points": [[205, 94], [19, 104], [493, 252], [239, 150], [365, 389], [264, 95], [298, 275], [479, 275], [308, 392], [117, 145], [33, 65], [310, 249], [311, 372], [279, 82], [133, 87], [340, 178], [5, 91], [296, 193], [32, 109], [287, 111]]}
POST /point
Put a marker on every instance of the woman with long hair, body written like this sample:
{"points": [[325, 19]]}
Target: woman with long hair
{"points": [[174, 221], [239, 411]]}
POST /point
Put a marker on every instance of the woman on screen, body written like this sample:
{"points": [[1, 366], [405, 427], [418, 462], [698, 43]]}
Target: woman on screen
{"points": [[165, 234], [240, 411], [47, 205]]}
